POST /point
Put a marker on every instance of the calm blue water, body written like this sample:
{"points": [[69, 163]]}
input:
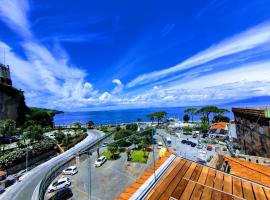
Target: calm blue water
{"points": [[118, 116]]}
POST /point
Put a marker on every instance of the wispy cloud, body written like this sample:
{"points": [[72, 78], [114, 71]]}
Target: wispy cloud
{"points": [[250, 39], [15, 13]]}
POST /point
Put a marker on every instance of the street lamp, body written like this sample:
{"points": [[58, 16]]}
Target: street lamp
{"points": [[153, 128], [89, 174], [26, 162]]}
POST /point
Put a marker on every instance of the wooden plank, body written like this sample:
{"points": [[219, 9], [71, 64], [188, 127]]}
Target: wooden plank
{"points": [[203, 175], [158, 185], [207, 192], [227, 184], [177, 181], [237, 187], [267, 193], [247, 190], [259, 192], [188, 190], [197, 192], [196, 174], [167, 181], [218, 184], [190, 170]]}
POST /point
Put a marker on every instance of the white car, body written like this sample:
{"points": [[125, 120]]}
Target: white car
{"points": [[57, 185], [160, 145], [100, 161], [105, 144], [72, 170]]}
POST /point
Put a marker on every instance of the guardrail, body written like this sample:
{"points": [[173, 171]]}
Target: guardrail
{"points": [[55, 171]]}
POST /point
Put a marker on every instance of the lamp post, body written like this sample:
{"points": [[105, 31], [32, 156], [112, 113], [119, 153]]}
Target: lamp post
{"points": [[153, 151], [89, 175], [26, 161]]}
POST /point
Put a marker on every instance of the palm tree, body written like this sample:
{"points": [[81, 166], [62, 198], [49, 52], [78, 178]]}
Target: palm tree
{"points": [[139, 120]]}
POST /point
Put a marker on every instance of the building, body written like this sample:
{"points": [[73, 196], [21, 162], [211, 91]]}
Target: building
{"points": [[219, 130], [178, 178], [5, 74], [253, 130]]}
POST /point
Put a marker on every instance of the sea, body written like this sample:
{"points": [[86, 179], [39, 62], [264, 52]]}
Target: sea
{"points": [[121, 116]]}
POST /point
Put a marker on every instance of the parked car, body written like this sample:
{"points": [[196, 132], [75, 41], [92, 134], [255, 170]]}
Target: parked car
{"points": [[189, 142], [183, 141], [62, 194], [200, 146], [72, 170], [193, 144], [209, 148], [205, 135], [100, 161], [105, 144], [60, 184], [160, 145]]}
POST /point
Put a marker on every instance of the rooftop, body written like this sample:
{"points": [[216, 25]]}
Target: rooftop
{"points": [[256, 111], [248, 170], [185, 179]]}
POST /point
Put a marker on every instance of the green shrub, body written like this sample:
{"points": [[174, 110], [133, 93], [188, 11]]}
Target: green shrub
{"points": [[18, 156]]}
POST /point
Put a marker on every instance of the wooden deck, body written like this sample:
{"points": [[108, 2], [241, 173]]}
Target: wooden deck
{"points": [[188, 180]]}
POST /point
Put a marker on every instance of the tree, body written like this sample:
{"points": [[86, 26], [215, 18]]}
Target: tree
{"points": [[132, 127], [206, 111], [186, 118], [7, 127], [221, 118], [35, 133], [42, 118], [151, 117], [160, 115], [90, 124], [113, 148], [77, 125], [191, 111], [139, 120], [60, 136]]}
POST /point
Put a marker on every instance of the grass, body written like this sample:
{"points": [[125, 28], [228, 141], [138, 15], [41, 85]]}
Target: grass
{"points": [[139, 156], [109, 155]]}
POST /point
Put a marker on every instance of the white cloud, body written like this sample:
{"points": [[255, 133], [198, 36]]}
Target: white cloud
{"points": [[250, 39], [14, 13], [118, 88]]}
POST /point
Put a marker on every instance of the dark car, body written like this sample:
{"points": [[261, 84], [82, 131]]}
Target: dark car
{"points": [[183, 141], [62, 194], [189, 142], [205, 135], [193, 144]]}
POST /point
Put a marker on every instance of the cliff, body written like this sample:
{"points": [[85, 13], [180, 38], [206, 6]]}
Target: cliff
{"points": [[12, 104]]}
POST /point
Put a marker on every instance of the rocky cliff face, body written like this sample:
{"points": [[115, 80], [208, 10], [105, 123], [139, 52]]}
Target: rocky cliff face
{"points": [[12, 104]]}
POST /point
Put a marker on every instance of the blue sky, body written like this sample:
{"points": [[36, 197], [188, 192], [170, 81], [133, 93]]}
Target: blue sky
{"points": [[96, 55]]}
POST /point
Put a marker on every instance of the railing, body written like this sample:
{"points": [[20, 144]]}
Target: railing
{"points": [[55, 171]]}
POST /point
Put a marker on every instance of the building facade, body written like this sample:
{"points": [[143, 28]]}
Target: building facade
{"points": [[253, 130], [5, 74]]}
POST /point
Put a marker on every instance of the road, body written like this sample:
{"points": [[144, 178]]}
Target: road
{"points": [[107, 181], [24, 189]]}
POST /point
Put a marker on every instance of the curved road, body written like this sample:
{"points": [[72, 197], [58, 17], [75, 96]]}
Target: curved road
{"points": [[24, 189]]}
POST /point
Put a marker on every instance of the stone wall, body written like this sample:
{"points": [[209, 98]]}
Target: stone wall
{"points": [[253, 133]]}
